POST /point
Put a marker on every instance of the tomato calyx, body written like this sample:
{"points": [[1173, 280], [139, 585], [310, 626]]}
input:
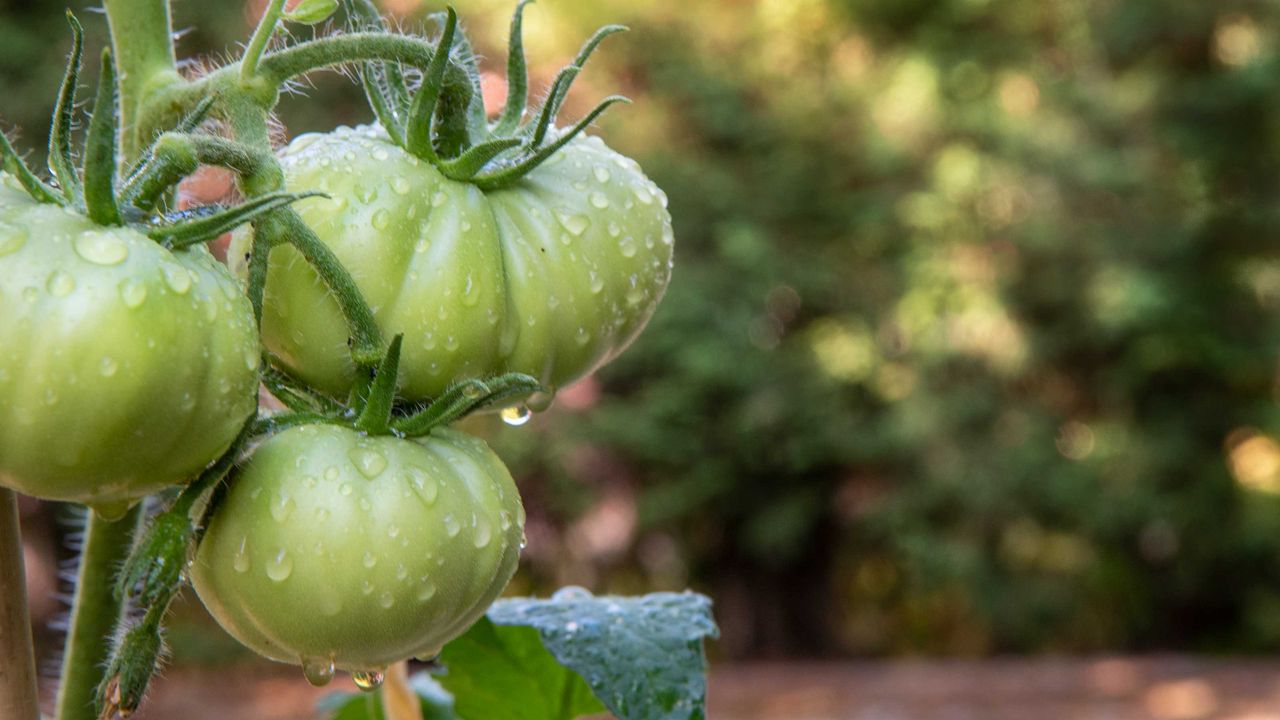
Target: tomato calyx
{"points": [[373, 408], [444, 122], [136, 197]]}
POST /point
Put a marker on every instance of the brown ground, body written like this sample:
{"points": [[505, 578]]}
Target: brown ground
{"points": [[1159, 688]]}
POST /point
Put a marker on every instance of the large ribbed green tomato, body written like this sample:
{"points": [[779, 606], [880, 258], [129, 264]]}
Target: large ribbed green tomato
{"points": [[336, 549], [124, 368], [552, 276]]}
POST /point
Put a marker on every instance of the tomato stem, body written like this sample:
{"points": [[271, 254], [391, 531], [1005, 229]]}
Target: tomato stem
{"points": [[399, 701], [142, 40], [17, 658], [261, 36], [95, 612]]}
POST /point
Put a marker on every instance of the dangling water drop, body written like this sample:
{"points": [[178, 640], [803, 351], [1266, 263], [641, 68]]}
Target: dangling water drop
{"points": [[368, 680], [60, 284], [12, 237], [381, 219], [451, 526], [575, 224], [133, 293], [599, 200], [280, 567], [318, 671], [178, 278], [108, 366], [516, 415]]}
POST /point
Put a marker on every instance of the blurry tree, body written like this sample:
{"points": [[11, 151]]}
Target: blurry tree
{"points": [[971, 343]]}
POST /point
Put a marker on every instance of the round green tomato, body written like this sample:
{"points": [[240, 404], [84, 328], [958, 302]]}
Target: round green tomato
{"points": [[124, 367], [336, 549], [551, 277]]}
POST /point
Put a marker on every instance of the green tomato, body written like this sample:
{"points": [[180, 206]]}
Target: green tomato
{"points": [[337, 549], [124, 368], [551, 277]]}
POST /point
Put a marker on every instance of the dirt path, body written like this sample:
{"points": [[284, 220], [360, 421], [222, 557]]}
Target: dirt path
{"points": [[1159, 688]]}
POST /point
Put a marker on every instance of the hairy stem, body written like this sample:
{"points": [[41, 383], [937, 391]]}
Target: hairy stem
{"points": [[399, 701], [142, 41], [95, 613], [17, 659], [261, 36]]}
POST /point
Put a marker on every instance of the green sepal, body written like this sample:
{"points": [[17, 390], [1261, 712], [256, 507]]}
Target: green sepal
{"points": [[471, 114], [101, 164], [134, 661], [294, 393], [154, 568], [187, 124], [376, 414], [547, 113], [169, 159], [208, 227], [418, 126], [61, 160], [383, 82], [517, 76], [468, 164], [466, 397], [13, 164], [510, 174]]}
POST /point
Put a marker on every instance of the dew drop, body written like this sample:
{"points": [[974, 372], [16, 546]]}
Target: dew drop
{"points": [[668, 236], [367, 680], [322, 514], [380, 155], [451, 525], [108, 366], [381, 219], [642, 194], [516, 415], [370, 559], [469, 294], [280, 566], [627, 246], [599, 200], [178, 278], [241, 560], [426, 589], [484, 532], [582, 337], [614, 230], [422, 245], [369, 462], [60, 284], [438, 199], [101, 248], [282, 507], [575, 224], [601, 172], [331, 473], [367, 194], [345, 489], [12, 237], [386, 599], [318, 671]]}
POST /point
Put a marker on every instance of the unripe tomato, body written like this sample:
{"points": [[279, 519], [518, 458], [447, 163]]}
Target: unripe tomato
{"points": [[552, 276], [336, 549], [124, 367]]}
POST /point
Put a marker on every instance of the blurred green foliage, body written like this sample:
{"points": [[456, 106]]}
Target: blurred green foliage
{"points": [[971, 343]]}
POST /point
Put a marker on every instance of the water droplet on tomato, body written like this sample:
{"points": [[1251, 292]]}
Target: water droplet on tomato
{"points": [[668, 236], [576, 224], [280, 566], [282, 507], [370, 559], [241, 559], [484, 531], [368, 680], [614, 230], [599, 200], [368, 461], [108, 366], [386, 599], [422, 245], [582, 337], [643, 194], [344, 488], [426, 589], [380, 154], [516, 415], [322, 514], [12, 237], [601, 172], [381, 219], [101, 248], [451, 526], [597, 283], [60, 284], [331, 473], [178, 279], [627, 246], [438, 199], [367, 194], [318, 671]]}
